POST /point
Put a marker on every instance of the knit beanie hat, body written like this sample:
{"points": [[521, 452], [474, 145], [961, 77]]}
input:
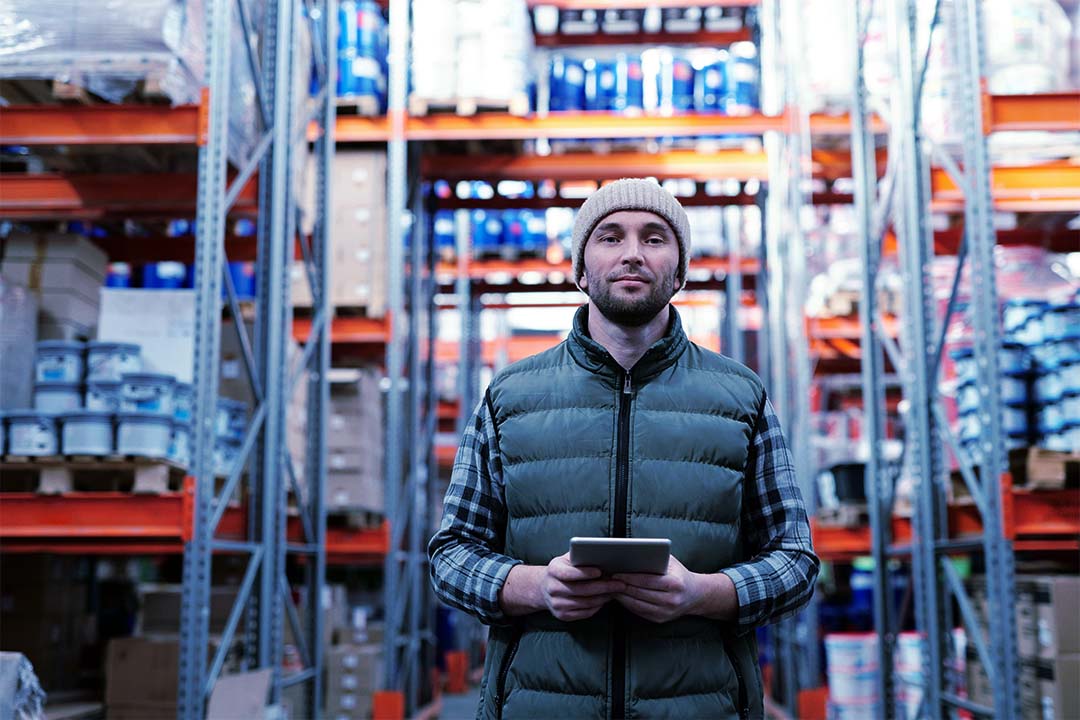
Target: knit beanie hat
{"points": [[630, 194]]}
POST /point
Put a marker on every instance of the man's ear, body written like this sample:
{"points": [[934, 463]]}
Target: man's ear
{"points": [[583, 283], [679, 282]]}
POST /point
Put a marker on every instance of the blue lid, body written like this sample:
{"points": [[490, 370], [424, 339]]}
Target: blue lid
{"points": [[108, 346], [145, 416], [224, 402], [66, 345], [960, 353], [1026, 302], [57, 385], [1013, 346], [1064, 307], [87, 415], [149, 378], [34, 415], [103, 383], [184, 387]]}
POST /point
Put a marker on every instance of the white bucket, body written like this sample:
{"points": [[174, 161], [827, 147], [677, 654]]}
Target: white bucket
{"points": [[59, 361], [110, 361], [57, 397], [144, 434], [87, 433], [31, 433]]}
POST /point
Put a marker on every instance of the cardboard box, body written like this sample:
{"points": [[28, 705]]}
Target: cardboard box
{"points": [[358, 178], [141, 673], [353, 674], [160, 608], [53, 276], [1049, 689], [57, 248], [355, 490], [18, 338], [161, 322], [1057, 615]]}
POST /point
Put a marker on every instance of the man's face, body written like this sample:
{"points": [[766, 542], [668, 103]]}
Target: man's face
{"points": [[631, 259]]}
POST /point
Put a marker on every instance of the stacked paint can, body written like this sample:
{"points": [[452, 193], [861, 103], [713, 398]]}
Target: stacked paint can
{"points": [[910, 674], [851, 661], [361, 46], [1018, 424]]}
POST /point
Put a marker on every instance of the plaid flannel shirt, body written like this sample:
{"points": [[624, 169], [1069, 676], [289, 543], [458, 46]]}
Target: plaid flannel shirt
{"points": [[468, 568]]}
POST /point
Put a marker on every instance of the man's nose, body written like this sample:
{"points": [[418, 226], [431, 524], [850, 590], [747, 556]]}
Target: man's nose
{"points": [[631, 254]]}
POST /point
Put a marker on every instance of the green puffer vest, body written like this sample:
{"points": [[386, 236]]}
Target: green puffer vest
{"points": [[588, 449]]}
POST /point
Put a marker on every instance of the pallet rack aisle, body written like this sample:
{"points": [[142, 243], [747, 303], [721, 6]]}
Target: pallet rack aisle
{"points": [[200, 521]]}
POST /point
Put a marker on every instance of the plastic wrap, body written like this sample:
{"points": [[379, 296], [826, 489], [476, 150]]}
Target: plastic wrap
{"points": [[109, 47], [18, 338]]}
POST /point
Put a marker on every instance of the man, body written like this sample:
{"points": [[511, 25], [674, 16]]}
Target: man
{"points": [[626, 429]]}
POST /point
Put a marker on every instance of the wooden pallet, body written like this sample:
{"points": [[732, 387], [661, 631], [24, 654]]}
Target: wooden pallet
{"points": [[845, 515], [366, 106], [467, 107], [149, 90], [58, 474]]}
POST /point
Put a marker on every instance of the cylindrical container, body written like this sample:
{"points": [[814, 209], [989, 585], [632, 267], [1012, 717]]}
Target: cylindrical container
{"points": [[183, 400], [146, 434], [1014, 419], [231, 418], [164, 275], [676, 83], [180, 444], [147, 392], [710, 87], [119, 275], [243, 278], [534, 235], [226, 450], [1070, 375], [31, 433], [1013, 357], [87, 432], [741, 83], [1023, 320], [629, 84], [110, 361], [57, 397], [567, 84], [1015, 387], [1051, 418], [599, 84], [103, 395], [1070, 406], [369, 23], [909, 647], [59, 361], [851, 651], [1058, 440], [859, 686], [1049, 385]]}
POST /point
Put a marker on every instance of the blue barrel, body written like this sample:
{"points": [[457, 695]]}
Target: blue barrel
{"points": [[742, 80], [710, 87], [243, 278], [444, 230], [119, 275], [164, 275], [486, 233], [600, 86], [534, 233], [369, 28], [629, 83], [347, 27], [513, 232], [676, 83], [567, 84]]}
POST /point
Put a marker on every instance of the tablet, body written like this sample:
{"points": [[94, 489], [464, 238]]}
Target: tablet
{"points": [[621, 555]]}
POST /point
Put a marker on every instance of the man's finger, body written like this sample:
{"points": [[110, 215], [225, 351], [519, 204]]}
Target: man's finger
{"points": [[566, 571], [589, 588], [640, 608], [644, 580], [658, 598]]}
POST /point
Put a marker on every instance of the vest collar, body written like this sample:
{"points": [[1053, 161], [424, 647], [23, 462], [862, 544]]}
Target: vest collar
{"points": [[594, 357]]}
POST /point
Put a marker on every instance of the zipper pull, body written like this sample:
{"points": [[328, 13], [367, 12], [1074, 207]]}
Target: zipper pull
{"points": [[626, 385]]}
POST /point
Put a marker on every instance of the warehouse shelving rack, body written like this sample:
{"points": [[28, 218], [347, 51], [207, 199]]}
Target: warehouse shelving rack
{"points": [[198, 521], [999, 517]]}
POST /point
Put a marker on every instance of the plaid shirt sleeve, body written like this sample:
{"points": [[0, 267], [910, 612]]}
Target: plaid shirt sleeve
{"points": [[468, 568], [778, 579]]}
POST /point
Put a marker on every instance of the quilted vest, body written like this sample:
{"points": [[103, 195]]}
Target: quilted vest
{"points": [[592, 450]]}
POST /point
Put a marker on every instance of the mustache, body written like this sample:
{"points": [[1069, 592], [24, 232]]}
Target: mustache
{"points": [[647, 277]]}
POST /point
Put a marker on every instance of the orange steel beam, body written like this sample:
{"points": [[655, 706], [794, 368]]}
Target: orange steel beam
{"points": [[503, 126], [352, 330], [675, 164], [49, 195], [704, 38], [356, 128], [99, 125], [1052, 187], [1044, 111]]}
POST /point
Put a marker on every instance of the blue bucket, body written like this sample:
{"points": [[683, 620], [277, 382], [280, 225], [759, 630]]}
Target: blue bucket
{"points": [[567, 84], [742, 80]]}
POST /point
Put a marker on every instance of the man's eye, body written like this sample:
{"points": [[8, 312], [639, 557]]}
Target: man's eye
{"points": [[655, 239], [609, 238]]}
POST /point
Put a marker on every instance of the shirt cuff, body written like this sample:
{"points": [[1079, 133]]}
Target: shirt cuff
{"points": [[490, 611], [752, 590]]}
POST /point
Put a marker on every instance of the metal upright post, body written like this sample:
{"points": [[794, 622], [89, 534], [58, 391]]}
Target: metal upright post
{"points": [[209, 253], [463, 290], [879, 494], [396, 577], [732, 227], [916, 250], [990, 457]]}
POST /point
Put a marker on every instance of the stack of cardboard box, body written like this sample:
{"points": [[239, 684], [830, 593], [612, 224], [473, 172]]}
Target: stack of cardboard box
{"points": [[1048, 643], [65, 272], [355, 441], [358, 235], [44, 615], [353, 657]]}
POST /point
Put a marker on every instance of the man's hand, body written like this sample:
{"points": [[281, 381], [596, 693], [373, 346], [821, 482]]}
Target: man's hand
{"points": [[678, 592], [575, 593]]}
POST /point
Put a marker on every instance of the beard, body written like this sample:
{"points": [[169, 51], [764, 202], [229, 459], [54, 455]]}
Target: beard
{"points": [[633, 311]]}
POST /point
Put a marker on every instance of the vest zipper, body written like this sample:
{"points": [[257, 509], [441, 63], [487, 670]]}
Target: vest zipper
{"points": [[622, 481], [500, 687], [744, 699]]}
